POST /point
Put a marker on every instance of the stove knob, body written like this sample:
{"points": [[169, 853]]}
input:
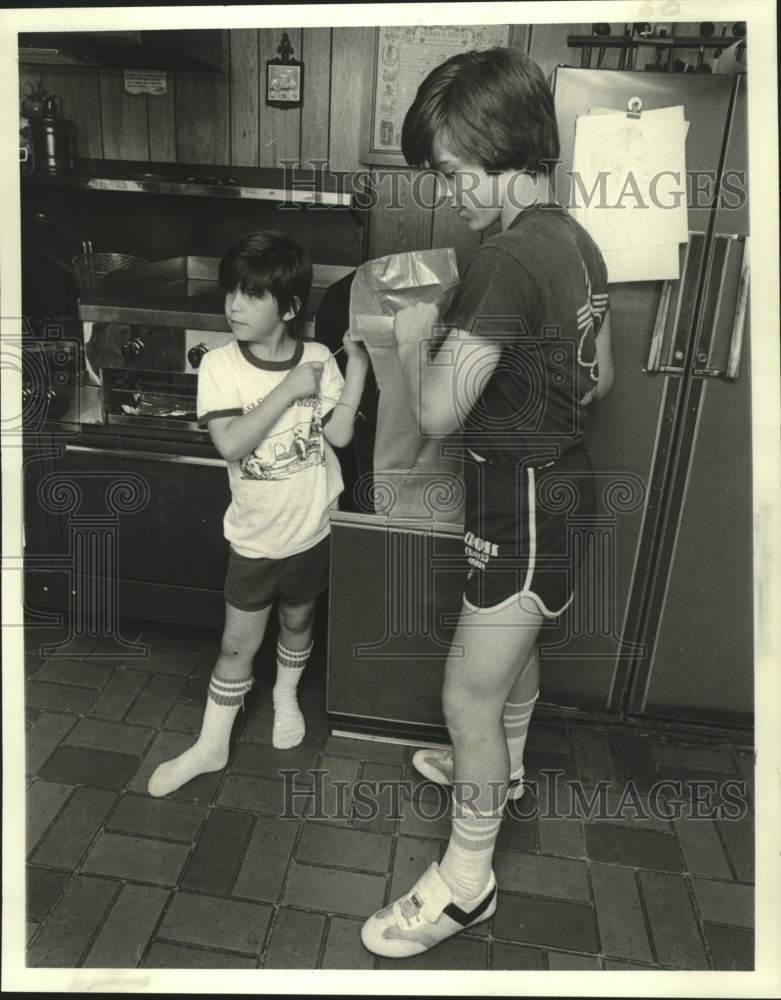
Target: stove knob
{"points": [[195, 354], [133, 349]]}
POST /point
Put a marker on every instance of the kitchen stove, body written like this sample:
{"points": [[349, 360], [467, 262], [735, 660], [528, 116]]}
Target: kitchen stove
{"points": [[145, 332]]}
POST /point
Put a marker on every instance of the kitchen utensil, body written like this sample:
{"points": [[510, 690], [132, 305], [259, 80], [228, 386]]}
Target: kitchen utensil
{"points": [[89, 267]]}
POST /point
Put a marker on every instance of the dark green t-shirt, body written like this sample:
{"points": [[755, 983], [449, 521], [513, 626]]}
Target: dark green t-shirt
{"points": [[539, 289]]}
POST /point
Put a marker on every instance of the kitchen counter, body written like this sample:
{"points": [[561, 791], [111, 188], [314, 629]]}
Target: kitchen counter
{"points": [[180, 292], [317, 188]]}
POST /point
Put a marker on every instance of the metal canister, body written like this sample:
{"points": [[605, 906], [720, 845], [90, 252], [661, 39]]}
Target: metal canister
{"points": [[53, 141]]}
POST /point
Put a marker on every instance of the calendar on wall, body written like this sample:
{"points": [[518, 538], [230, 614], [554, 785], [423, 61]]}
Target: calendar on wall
{"points": [[404, 57]]}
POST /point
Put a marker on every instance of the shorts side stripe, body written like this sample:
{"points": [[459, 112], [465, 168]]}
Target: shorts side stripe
{"points": [[514, 598], [532, 501]]}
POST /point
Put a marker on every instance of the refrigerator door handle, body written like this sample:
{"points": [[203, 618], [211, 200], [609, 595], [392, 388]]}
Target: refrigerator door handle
{"points": [[669, 338], [719, 276], [660, 324], [739, 324]]}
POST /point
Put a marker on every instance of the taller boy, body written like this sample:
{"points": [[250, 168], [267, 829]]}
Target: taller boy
{"points": [[525, 348], [274, 404]]}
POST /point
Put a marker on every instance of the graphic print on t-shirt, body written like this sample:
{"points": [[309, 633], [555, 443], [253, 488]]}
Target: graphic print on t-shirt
{"points": [[295, 448]]}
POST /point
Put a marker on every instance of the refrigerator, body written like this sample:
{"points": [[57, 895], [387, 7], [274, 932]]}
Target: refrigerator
{"points": [[662, 624]]}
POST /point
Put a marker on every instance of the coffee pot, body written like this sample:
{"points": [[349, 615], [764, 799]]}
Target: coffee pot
{"points": [[52, 140]]}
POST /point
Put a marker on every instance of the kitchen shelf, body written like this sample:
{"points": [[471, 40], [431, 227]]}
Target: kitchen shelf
{"points": [[312, 188]]}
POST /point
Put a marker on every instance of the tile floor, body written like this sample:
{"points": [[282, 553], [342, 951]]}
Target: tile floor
{"points": [[215, 877]]}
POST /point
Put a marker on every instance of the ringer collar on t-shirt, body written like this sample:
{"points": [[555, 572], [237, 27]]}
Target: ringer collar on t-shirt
{"points": [[271, 366]]}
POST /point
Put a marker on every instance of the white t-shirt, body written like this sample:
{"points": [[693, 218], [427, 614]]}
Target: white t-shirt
{"points": [[282, 491]]}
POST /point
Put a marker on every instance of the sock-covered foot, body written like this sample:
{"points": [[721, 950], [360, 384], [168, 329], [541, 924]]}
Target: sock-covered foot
{"points": [[289, 727], [210, 752]]}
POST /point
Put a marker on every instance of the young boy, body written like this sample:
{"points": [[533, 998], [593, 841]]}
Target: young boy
{"points": [[274, 404], [526, 347]]}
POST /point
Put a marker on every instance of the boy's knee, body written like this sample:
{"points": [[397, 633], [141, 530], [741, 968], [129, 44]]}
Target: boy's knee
{"points": [[296, 619], [466, 706], [236, 647], [456, 706]]}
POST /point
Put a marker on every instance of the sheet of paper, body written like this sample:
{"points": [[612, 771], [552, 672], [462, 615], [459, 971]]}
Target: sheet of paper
{"points": [[656, 263], [629, 178]]}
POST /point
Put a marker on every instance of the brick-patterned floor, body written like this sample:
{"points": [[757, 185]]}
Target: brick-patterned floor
{"points": [[212, 877]]}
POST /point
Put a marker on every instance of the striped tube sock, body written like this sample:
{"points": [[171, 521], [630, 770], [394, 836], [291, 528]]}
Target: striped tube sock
{"points": [[466, 866], [288, 729], [210, 752], [516, 719]]}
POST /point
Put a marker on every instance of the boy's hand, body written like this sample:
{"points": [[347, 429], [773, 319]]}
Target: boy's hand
{"points": [[303, 380], [414, 323], [355, 350]]}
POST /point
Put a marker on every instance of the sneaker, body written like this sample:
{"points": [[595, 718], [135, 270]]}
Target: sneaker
{"points": [[428, 914], [437, 766]]}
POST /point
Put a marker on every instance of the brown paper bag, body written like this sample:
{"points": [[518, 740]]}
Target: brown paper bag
{"points": [[414, 476]]}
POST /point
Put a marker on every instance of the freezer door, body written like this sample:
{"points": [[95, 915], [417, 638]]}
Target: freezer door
{"points": [[702, 611], [587, 658]]}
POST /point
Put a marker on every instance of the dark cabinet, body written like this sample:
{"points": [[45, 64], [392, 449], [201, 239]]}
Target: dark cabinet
{"points": [[127, 534], [186, 50]]}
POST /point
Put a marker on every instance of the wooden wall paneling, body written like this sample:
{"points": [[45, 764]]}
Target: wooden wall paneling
{"points": [[280, 128], [399, 222], [124, 118], [548, 45], [161, 113], [203, 115], [29, 76], [520, 36], [352, 61], [79, 96], [315, 114], [244, 100]]}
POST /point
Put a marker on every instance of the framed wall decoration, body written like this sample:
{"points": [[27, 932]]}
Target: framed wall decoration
{"points": [[284, 78], [404, 56]]}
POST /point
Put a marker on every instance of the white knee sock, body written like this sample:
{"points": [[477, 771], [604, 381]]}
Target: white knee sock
{"points": [[516, 719], [466, 866], [289, 728], [210, 752]]}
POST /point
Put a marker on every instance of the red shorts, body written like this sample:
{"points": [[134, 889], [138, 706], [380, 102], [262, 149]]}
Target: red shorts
{"points": [[253, 584]]}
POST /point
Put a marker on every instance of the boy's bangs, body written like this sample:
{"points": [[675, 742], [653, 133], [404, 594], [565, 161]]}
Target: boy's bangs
{"points": [[254, 284], [239, 273]]}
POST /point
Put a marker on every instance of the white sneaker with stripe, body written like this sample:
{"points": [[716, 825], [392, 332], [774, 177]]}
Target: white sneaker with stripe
{"points": [[426, 915], [437, 765]]}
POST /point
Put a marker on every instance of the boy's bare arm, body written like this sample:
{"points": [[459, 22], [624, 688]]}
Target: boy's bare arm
{"points": [[339, 429], [236, 437], [445, 388]]}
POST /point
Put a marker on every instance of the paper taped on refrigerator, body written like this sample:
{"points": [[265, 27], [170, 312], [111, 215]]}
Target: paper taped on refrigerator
{"points": [[629, 189]]}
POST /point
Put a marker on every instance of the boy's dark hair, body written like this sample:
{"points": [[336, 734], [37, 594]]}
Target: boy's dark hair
{"points": [[269, 262], [495, 107]]}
